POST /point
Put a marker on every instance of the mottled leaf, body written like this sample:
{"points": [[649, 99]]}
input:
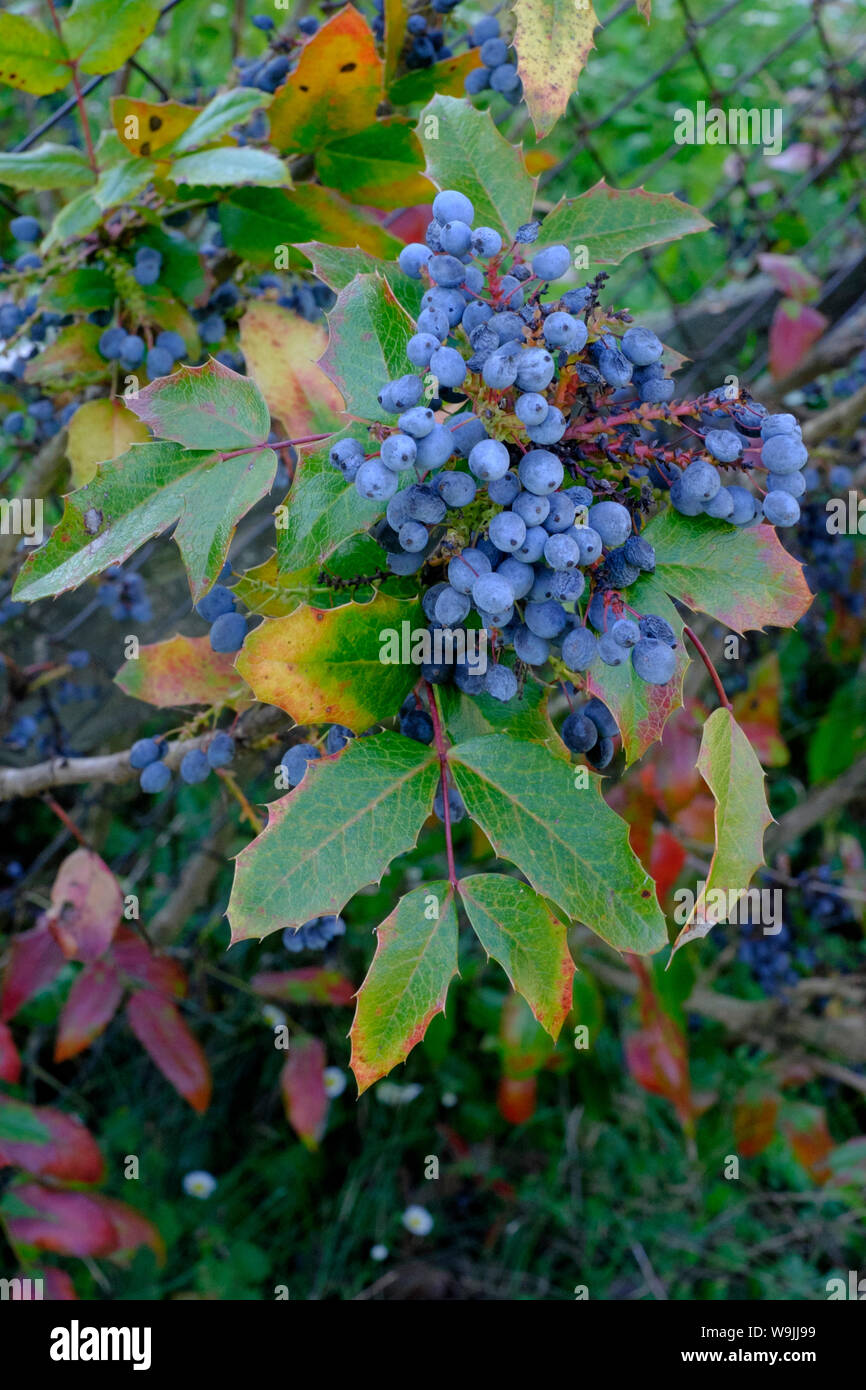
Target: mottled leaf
{"points": [[552, 40], [334, 90], [72, 357], [465, 151], [86, 905], [311, 984], [209, 407], [302, 1082], [756, 1110], [614, 222], [445, 78], [31, 58], [183, 671], [281, 351], [756, 710], [379, 166], [367, 335], [166, 1039], [148, 126]]}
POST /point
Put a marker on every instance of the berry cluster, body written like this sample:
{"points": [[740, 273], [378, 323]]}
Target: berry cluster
{"points": [[781, 452], [269, 71], [146, 756], [293, 764], [219, 608], [314, 935], [124, 595], [498, 71], [424, 45]]}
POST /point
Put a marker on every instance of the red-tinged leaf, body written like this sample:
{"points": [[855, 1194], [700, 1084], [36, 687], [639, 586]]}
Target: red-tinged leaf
{"points": [[410, 224], [69, 1223], [516, 1098], [183, 671], [131, 1228], [524, 1044], [171, 1046], [789, 274], [86, 905], [135, 960], [47, 1143], [57, 1286], [805, 1128], [794, 329], [312, 984], [281, 351], [207, 407], [756, 1110], [10, 1061], [698, 820], [35, 961], [756, 710], [657, 1054], [667, 858], [90, 1006], [302, 1082]]}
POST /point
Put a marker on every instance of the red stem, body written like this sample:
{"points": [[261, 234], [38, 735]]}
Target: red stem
{"points": [[79, 96], [442, 753], [705, 658], [280, 444], [67, 820]]}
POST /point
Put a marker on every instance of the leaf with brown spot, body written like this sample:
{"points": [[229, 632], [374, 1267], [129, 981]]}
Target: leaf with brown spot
{"points": [[86, 906], [335, 89], [159, 123], [553, 40], [183, 671]]}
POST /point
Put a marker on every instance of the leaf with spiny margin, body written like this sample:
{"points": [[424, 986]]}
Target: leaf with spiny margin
{"points": [[614, 222], [228, 165], [183, 671], [335, 89], [523, 717], [742, 576], [325, 664], [137, 496], [467, 153], [225, 110], [730, 768], [255, 220], [563, 837], [269, 594], [367, 335], [552, 40], [72, 357], [209, 407], [46, 166], [642, 710], [378, 167], [280, 350], [322, 509], [338, 266], [338, 831], [516, 927], [31, 58], [407, 983], [101, 37]]}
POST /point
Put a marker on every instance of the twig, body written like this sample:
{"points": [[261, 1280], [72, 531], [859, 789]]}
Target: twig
{"points": [[67, 821], [442, 754], [705, 658]]}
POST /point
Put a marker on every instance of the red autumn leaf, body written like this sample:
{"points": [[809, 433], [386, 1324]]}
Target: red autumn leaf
{"points": [[47, 1143], [91, 1005], [666, 861], [57, 1287], [35, 960], [515, 1098], [657, 1054], [182, 671], [755, 1112], [86, 904], [131, 1228], [409, 224], [794, 329], [788, 274], [166, 1039], [312, 984], [10, 1062], [805, 1128], [134, 959], [70, 1223], [302, 1082]]}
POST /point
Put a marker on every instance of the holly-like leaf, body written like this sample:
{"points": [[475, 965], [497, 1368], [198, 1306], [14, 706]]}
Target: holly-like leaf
{"points": [[46, 166], [136, 497], [148, 126], [325, 664], [322, 511], [102, 39], [335, 89], [280, 349], [227, 166], [183, 671], [47, 1143], [516, 927], [523, 717], [223, 111], [86, 906], [338, 266], [465, 151], [335, 833], [72, 357], [163, 1034], [311, 984], [98, 431], [745, 578], [642, 710], [256, 221], [302, 1082], [90, 1006], [367, 335], [378, 166], [553, 40], [408, 979], [209, 407], [728, 765], [34, 962], [536, 812], [614, 222], [31, 58]]}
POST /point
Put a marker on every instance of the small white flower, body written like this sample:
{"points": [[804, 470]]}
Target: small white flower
{"points": [[379, 1253], [418, 1220], [274, 1017], [390, 1093], [199, 1184], [335, 1081], [449, 1099]]}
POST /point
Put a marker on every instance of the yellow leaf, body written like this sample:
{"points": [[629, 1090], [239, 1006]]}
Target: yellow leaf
{"points": [[147, 126], [100, 430], [335, 89], [281, 349]]}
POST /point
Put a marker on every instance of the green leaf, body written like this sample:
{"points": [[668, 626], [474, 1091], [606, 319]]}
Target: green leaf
{"points": [[46, 166], [227, 109], [367, 335], [553, 40], [74, 220], [209, 407], [465, 151], [642, 710], [256, 223], [830, 755], [743, 577], [229, 165], [378, 167], [102, 37], [447, 78], [78, 292], [518, 930], [338, 266], [326, 664], [395, 15], [613, 222], [31, 58], [728, 765], [561, 834], [322, 510], [406, 985], [123, 182], [136, 497], [20, 1123], [72, 357], [338, 831], [523, 717], [181, 271]]}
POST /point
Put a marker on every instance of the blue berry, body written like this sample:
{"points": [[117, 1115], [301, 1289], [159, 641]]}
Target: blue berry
{"points": [[221, 749], [144, 752], [551, 263], [218, 601], [194, 767], [228, 632], [155, 777]]}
